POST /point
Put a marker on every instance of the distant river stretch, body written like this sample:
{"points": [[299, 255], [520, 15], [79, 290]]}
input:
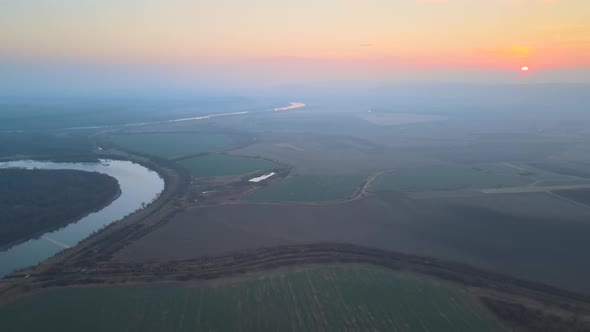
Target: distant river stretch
{"points": [[139, 186]]}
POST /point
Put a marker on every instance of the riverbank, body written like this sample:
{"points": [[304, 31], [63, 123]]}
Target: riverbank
{"points": [[139, 187], [111, 238]]}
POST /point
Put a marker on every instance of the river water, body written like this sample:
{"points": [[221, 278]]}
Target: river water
{"points": [[138, 184]]}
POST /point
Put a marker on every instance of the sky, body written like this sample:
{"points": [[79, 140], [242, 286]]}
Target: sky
{"points": [[279, 41]]}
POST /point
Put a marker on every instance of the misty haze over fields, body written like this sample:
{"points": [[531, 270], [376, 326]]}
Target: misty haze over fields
{"points": [[267, 165]]}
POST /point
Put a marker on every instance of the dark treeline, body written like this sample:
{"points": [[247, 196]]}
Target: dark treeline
{"points": [[44, 143], [34, 201]]}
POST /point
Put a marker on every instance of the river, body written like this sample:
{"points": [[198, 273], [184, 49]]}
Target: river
{"points": [[139, 186]]}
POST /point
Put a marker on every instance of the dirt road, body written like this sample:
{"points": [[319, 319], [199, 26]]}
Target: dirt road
{"points": [[533, 189]]}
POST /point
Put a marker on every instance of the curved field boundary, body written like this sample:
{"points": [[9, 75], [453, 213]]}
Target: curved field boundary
{"points": [[205, 268]]}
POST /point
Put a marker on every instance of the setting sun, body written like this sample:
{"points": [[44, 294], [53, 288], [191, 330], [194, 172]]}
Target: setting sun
{"points": [[525, 68]]}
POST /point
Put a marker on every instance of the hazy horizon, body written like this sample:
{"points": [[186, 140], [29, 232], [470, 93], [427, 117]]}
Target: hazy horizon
{"points": [[253, 47]]}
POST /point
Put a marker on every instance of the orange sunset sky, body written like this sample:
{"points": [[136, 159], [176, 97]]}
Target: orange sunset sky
{"points": [[307, 38]]}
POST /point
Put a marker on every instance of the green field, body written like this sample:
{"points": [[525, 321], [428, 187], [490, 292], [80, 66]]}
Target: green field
{"points": [[222, 164], [319, 299], [170, 145], [309, 188], [450, 177]]}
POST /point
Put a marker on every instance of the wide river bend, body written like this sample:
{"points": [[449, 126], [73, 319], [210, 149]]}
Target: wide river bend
{"points": [[139, 186]]}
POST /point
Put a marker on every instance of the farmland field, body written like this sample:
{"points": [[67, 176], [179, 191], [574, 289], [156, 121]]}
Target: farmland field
{"points": [[502, 233], [581, 196], [393, 119], [169, 145], [222, 164], [306, 299], [450, 177], [309, 188], [572, 168]]}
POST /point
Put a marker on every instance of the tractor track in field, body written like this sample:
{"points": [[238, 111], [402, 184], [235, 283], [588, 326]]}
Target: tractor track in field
{"points": [[518, 302]]}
